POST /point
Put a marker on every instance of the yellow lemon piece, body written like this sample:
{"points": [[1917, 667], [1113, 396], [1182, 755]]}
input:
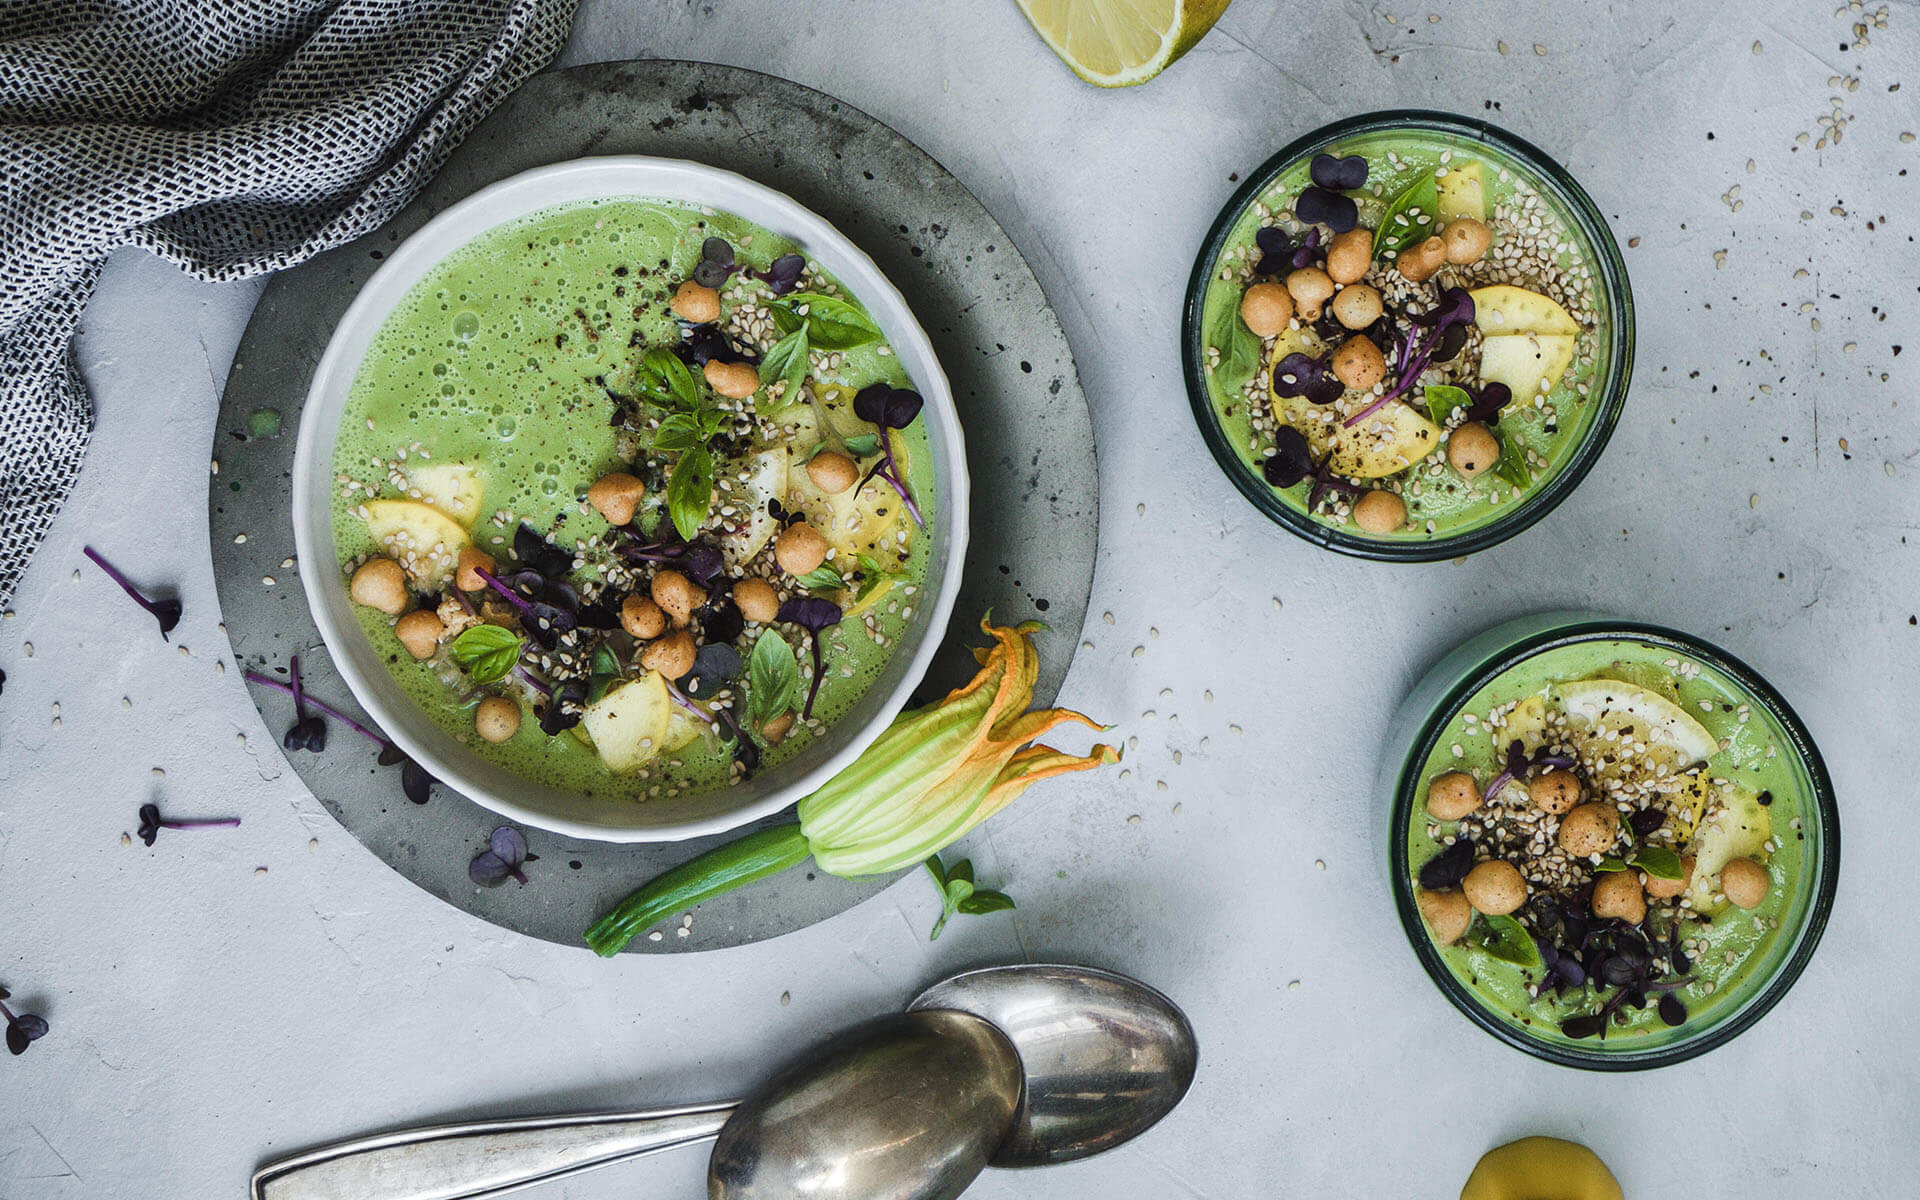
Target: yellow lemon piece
{"points": [[1118, 43], [418, 536], [455, 488], [629, 725], [1541, 1168]]}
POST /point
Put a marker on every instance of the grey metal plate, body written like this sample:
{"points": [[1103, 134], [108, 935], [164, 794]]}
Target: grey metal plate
{"points": [[1029, 449]]}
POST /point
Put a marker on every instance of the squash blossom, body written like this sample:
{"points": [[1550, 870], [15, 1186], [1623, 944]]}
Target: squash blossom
{"points": [[930, 778]]}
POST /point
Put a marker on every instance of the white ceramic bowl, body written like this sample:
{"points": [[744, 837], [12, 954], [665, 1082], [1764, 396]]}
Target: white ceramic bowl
{"points": [[404, 721]]}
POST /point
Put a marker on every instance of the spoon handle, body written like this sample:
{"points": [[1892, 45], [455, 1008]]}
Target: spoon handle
{"points": [[481, 1158]]}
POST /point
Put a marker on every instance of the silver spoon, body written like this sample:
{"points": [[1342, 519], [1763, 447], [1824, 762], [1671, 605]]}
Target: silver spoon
{"points": [[905, 1107], [1134, 1082], [1105, 1056]]}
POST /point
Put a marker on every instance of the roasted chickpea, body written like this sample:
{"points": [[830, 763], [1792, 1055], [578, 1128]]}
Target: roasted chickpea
{"points": [[642, 618], [1452, 796], [776, 730], [1618, 894], [695, 302], [1589, 829], [756, 600], [497, 719], [799, 548], [472, 561], [1311, 288], [1555, 792], [1267, 308], [1418, 262], [1447, 914], [1495, 888], [1350, 255], [677, 596], [1667, 889], [1472, 449], [1357, 306], [419, 631], [1357, 362], [735, 381], [616, 495], [1379, 511], [671, 655], [833, 472], [1745, 882], [1466, 240], [380, 583]]}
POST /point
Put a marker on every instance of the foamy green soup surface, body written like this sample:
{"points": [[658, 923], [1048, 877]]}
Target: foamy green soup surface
{"points": [[520, 355]]}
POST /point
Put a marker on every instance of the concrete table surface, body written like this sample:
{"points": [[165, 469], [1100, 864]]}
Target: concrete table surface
{"points": [[226, 998]]}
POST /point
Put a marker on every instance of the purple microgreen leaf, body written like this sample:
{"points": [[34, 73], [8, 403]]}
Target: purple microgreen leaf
{"points": [[165, 610], [23, 1029], [1291, 460], [509, 843], [538, 553], [415, 782], [1318, 206], [1338, 174], [782, 274], [714, 666], [814, 615], [151, 823], [564, 709], [1447, 868], [1488, 400]]}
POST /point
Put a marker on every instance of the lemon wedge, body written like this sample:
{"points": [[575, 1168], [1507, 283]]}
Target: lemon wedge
{"points": [[1118, 43]]}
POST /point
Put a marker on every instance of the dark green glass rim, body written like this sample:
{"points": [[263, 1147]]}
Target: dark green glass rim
{"points": [[1611, 272], [1823, 810]]}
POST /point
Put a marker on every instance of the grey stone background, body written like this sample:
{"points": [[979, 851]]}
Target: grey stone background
{"points": [[1760, 491]]}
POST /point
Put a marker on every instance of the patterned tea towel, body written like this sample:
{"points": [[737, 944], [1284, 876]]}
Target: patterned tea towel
{"points": [[232, 137]]}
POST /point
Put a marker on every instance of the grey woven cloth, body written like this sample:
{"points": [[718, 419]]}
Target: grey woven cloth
{"points": [[231, 137]]}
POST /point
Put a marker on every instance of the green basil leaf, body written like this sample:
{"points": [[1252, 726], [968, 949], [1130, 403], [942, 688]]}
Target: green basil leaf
{"points": [[679, 432], [958, 890], [832, 323], [783, 320], [1239, 349], [487, 652], [1508, 940], [864, 445], [823, 578], [932, 864], [1443, 398], [962, 870], [690, 491], [1512, 463], [670, 377], [1410, 218], [1610, 863], [981, 903], [787, 360], [1659, 862], [773, 677]]}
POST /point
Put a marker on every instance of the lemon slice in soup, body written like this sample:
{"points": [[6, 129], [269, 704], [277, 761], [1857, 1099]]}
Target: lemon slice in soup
{"points": [[629, 726], [1655, 718], [421, 538]]}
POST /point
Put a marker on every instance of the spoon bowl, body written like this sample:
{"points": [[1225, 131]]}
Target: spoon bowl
{"points": [[906, 1107], [1104, 1056]]}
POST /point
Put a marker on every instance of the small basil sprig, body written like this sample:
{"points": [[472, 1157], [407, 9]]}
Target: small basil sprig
{"points": [[1512, 463], [959, 895], [773, 677], [830, 322], [1657, 861], [872, 576], [1507, 940], [862, 445], [1443, 398], [690, 491], [788, 360], [823, 578], [487, 653], [1400, 226], [665, 377], [1239, 349]]}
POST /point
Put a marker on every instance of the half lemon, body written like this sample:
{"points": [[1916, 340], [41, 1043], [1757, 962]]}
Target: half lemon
{"points": [[1118, 43]]}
